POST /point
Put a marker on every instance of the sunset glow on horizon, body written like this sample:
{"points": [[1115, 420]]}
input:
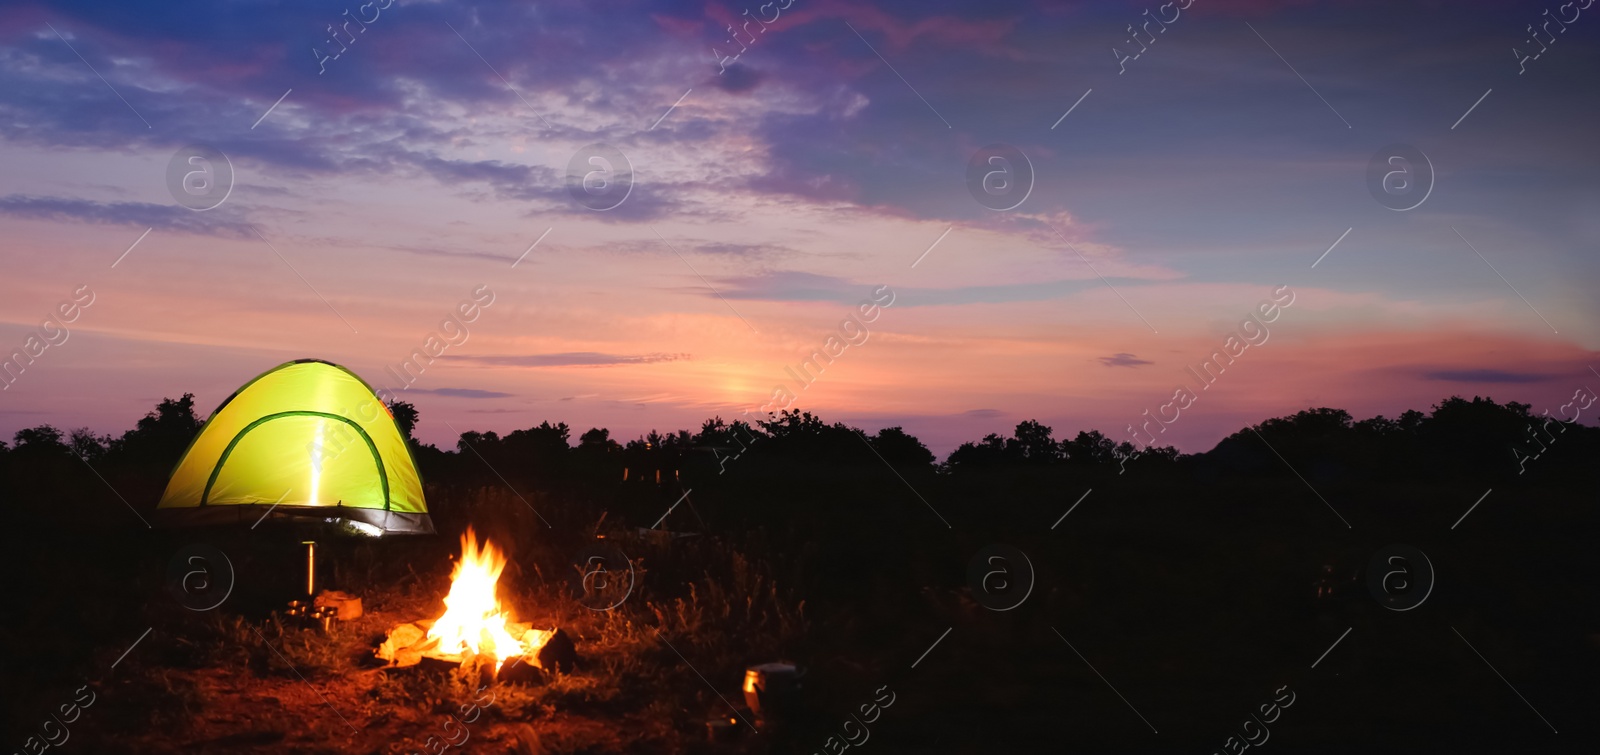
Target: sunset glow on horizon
{"points": [[423, 173]]}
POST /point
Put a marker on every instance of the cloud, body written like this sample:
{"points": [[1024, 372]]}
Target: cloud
{"points": [[376, 111], [654, 245], [738, 79], [463, 392], [571, 359], [796, 286], [1486, 376], [740, 250], [789, 286], [1123, 359], [542, 187], [509, 180], [218, 222]]}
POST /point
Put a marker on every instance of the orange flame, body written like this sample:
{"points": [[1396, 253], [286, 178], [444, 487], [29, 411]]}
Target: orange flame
{"points": [[473, 617]]}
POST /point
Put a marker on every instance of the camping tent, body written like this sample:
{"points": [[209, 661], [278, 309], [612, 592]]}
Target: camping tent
{"points": [[305, 439]]}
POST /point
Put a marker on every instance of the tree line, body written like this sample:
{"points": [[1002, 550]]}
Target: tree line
{"points": [[1475, 437]]}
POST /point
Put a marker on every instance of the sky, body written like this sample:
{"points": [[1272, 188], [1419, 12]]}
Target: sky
{"points": [[1178, 167]]}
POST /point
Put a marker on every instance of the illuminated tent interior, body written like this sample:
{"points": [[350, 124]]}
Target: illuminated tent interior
{"points": [[305, 439]]}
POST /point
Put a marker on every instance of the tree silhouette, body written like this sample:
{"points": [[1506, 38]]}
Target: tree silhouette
{"points": [[40, 439], [160, 437], [900, 448], [1460, 438], [1090, 447], [1032, 443], [88, 446], [989, 452], [597, 439], [405, 417]]}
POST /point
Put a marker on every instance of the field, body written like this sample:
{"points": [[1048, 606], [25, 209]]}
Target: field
{"points": [[1163, 611]]}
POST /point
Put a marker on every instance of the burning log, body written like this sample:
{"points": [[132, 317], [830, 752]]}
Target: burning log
{"points": [[474, 626], [558, 653], [408, 644]]}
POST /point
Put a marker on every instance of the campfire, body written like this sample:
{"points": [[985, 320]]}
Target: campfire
{"points": [[474, 626]]}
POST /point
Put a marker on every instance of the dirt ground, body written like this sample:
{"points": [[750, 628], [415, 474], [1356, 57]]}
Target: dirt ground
{"points": [[353, 704]]}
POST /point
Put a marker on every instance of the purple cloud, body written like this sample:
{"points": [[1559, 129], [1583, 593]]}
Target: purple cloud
{"points": [[222, 221], [1122, 359], [1486, 376]]}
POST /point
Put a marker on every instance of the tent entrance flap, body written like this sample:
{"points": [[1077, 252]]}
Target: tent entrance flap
{"points": [[308, 455]]}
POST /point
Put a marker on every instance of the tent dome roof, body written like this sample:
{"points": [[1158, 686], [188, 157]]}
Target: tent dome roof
{"points": [[307, 438]]}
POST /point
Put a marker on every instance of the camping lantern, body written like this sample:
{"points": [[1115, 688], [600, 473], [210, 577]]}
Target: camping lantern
{"points": [[771, 689]]}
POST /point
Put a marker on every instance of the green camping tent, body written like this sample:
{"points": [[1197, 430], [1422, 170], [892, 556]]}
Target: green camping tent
{"points": [[305, 439]]}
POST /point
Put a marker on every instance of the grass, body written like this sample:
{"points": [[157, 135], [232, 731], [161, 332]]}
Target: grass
{"points": [[246, 678], [1192, 605]]}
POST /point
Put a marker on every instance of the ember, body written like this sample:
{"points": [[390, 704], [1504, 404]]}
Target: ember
{"points": [[473, 624]]}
